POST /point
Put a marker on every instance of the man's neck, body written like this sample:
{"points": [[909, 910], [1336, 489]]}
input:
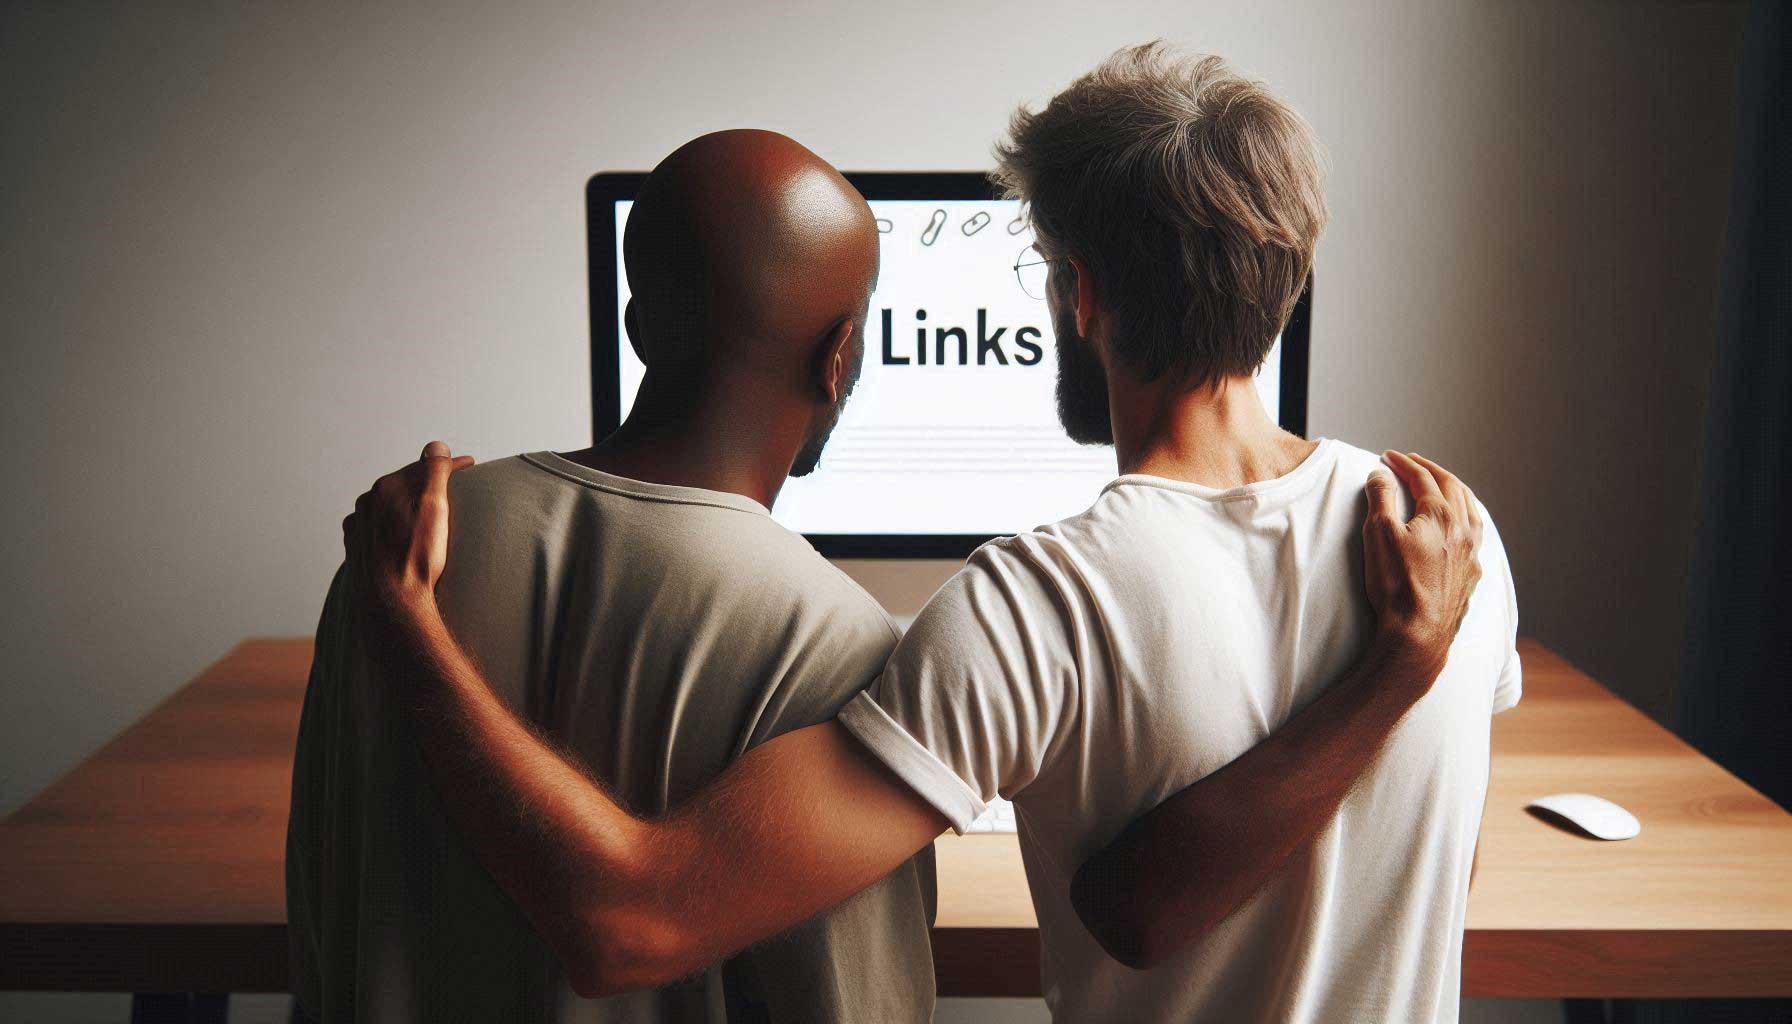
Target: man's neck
{"points": [[1217, 436], [698, 443]]}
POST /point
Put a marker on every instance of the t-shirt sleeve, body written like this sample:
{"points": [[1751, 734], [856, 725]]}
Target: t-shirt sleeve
{"points": [[844, 645], [979, 694], [1497, 571]]}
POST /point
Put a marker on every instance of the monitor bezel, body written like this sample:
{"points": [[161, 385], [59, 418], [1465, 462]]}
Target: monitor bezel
{"points": [[603, 190]]}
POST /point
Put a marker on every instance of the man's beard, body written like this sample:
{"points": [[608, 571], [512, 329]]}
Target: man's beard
{"points": [[1082, 386], [809, 458]]}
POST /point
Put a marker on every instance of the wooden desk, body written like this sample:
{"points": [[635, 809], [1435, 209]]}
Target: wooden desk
{"points": [[155, 866], [1699, 904]]}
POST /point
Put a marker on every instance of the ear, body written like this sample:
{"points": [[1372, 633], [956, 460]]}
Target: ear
{"points": [[833, 355], [1082, 297], [633, 329]]}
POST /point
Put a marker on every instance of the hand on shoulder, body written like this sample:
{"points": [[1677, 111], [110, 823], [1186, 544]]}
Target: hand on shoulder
{"points": [[1420, 572], [396, 540]]}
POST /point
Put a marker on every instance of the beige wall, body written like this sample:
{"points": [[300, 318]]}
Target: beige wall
{"points": [[249, 259]]}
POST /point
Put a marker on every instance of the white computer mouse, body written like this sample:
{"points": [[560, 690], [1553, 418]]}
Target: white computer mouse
{"points": [[1594, 815]]}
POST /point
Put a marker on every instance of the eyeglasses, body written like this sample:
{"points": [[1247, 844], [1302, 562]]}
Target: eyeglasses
{"points": [[1032, 269]]}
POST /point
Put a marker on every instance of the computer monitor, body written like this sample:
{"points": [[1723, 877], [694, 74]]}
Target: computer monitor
{"points": [[952, 435]]}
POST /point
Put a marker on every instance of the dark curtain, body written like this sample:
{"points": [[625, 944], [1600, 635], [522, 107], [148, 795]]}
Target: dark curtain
{"points": [[1736, 681], [1735, 696]]}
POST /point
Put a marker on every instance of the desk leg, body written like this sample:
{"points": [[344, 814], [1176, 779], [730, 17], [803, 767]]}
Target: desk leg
{"points": [[180, 1008]]}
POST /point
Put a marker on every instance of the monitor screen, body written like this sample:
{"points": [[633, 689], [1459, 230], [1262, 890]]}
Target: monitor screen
{"points": [[952, 433]]}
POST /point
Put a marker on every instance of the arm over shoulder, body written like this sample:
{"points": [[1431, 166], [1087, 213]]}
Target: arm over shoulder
{"points": [[978, 694]]}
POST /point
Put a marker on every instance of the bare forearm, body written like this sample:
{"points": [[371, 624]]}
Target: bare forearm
{"points": [[1198, 856], [626, 902]]}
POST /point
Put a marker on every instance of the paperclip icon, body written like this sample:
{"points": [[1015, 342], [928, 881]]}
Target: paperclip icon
{"points": [[931, 232], [1018, 224], [884, 226], [978, 222]]}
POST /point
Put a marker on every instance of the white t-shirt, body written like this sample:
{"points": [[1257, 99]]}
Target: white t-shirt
{"points": [[1092, 668]]}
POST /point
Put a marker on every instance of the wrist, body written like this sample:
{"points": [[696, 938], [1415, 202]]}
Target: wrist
{"points": [[406, 636], [414, 609], [404, 609], [1413, 656]]}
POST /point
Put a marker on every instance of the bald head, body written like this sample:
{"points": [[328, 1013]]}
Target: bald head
{"points": [[746, 247]]}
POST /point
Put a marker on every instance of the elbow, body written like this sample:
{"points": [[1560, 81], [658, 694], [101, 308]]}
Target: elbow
{"points": [[1118, 916], [1102, 900], [618, 952], [1127, 946]]}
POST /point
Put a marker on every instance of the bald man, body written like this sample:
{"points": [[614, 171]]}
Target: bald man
{"points": [[646, 616]]}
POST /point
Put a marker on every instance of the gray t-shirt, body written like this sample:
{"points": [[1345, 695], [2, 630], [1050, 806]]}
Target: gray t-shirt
{"points": [[654, 632]]}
